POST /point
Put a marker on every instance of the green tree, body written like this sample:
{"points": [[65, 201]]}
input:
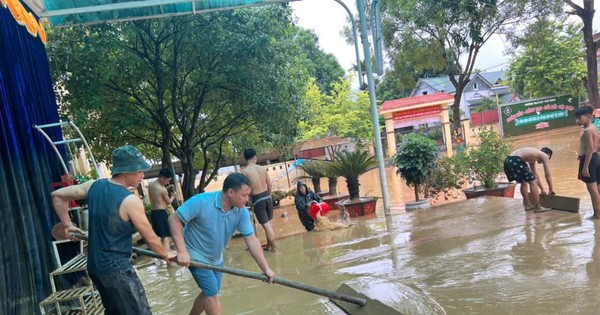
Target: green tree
{"points": [[456, 30], [321, 66], [343, 113], [186, 85], [586, 13], [549, 61], [415, 159]]}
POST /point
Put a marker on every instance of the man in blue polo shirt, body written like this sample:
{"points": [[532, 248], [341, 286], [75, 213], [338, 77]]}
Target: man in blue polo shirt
{"points": [[210, 219]]}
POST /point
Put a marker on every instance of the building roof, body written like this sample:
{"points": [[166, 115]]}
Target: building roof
{"points": [[415, 100], [74, 12], [322, 143], [443, 84], [494, 77]]}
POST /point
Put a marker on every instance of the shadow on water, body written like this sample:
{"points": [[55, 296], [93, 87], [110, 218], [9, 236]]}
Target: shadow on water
{"points": [[483, 256]]}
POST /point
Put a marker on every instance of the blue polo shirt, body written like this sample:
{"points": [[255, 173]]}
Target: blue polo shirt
{"points": [[208, 227]]}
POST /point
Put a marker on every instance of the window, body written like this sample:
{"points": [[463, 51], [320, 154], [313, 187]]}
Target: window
{"points": [[425, 93], [475, 87]]}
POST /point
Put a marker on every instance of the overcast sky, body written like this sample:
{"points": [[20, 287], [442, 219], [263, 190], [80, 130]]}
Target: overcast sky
{"points": [[327, 18]]}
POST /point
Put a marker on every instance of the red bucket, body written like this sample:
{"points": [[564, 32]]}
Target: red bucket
{"points": [[320, 207]]}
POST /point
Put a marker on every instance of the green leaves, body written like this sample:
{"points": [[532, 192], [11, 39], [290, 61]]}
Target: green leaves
{"points": [[549, 61], [351, 165], [416, 157], [343, 113], [485, 163]]}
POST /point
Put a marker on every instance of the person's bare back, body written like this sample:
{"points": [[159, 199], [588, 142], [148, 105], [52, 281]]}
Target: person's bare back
{"points": [[259, 178], [157, 193], [530, 155]]}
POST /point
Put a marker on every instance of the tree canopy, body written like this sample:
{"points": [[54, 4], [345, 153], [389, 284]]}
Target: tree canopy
{"points": [[549, 61], [342, 113], [188, 86], [456, 30]]}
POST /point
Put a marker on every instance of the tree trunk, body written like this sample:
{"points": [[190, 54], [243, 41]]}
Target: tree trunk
{"points": [[456, 124], [189, 176], [333, 186], [587, 16], [316, 181], [416, 192], [353, 187], [590, 54]]}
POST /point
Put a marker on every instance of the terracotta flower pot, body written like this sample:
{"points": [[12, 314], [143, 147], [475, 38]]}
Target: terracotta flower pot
{"points": [[331, 200], [360, 207]]}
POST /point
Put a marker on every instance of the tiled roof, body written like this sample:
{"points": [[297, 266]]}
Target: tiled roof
{"points": [[443, 84], [440, 84], [322, 143], [415, 100], [494, 77]]}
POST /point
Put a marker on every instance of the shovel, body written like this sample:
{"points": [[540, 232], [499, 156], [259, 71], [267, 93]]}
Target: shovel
{"points": [[345, 297]]}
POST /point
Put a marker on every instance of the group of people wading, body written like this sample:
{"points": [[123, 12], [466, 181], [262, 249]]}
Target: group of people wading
{"points": [[200, 228]]}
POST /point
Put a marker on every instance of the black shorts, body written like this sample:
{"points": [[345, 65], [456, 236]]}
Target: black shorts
{"points": [[122, 293], [516, 169], [262, 205], [160, 223], [594, 169]]}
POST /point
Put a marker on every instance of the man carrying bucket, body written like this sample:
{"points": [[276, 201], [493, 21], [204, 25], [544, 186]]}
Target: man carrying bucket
{"points": [[304, 197], [210, 220]]}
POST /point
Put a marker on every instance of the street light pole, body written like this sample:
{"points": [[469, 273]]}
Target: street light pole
{"points": [[353, 22], [374, 112]]}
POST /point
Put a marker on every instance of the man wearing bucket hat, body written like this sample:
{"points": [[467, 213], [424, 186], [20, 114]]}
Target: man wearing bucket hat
{"points": [[114, 215]]}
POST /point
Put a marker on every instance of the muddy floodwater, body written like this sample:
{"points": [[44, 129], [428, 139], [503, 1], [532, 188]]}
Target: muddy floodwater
{"points": [[482, 256]]}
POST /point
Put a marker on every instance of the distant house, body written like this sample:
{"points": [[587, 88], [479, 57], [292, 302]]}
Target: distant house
{"points": [[324, 148], [484, 85]]}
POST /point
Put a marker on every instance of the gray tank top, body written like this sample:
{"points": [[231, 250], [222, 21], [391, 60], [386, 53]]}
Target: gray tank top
{"points": [[109, 246]]}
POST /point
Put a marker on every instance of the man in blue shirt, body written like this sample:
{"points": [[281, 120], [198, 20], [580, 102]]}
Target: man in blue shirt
{"points": [[201, 228]]}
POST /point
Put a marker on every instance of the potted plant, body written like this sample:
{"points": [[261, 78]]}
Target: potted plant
{"points": [[415, 160], [314, 172], [277, 196], [446, 179], [351, 165], [484, 163], [332, 197]]}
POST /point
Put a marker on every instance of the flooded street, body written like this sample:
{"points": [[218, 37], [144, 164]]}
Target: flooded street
{"points": [[482, 256]]}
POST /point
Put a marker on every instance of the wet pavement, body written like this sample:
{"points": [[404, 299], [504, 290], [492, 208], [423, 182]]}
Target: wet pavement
{"points": [[483, 256]]}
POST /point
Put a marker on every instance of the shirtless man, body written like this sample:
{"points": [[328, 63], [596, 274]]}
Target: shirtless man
{"points": [[262, 205], [516, 168], [589, 162], [159, 198]]}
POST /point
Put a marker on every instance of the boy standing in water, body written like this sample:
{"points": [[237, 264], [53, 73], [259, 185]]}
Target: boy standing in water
{"points": [[159, 198], [589, 162], [262, 204], [516, 168]]}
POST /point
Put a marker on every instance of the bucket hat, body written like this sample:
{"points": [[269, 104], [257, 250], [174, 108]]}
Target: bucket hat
{"points": [[128, 159]]}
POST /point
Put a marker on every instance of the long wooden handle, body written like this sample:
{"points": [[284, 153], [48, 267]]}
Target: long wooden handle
{"points": [[257, 276]]}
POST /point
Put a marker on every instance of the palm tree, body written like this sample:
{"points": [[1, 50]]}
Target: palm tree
{"points": [[351, 165], [332, 178], [314, 172]]}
